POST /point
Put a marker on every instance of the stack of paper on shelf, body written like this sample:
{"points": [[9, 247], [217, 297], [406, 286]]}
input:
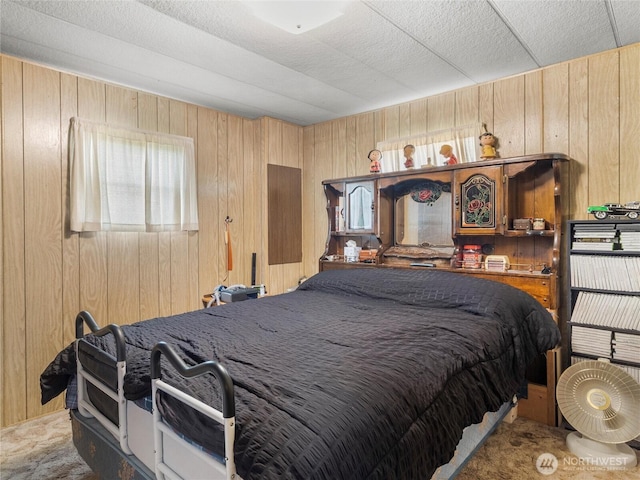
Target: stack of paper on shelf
{"points": [[618, 273], [607, 310], [595, 237], [629, 236], [626, 347], [591, 341]]}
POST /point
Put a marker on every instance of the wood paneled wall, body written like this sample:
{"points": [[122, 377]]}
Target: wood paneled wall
{"points": [[587, 108], [49, 274]]}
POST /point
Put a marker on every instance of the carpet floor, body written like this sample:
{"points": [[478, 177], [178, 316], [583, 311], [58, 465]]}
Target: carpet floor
{"points": [[42, 449]]}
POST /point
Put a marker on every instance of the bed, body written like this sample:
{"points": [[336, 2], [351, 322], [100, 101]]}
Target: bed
{"points": [[357, 374]]}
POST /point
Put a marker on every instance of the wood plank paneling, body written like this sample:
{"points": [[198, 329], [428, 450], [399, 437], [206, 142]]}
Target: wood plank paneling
{"points": [[578, 186], [274, 156], [164, 238], [220, 201], [251, 232], [14, 388], [209, 250], [193, 238], [556, 108], [322, 151], [391, 123], [485, 105], [533, 112], [418, 117], [404, 120], [466, 107], [148, 242], [352, 152], [629, 124], [43, 227], [259, 184], [236, 202], [93, 245], [508, 120], [292, 152], [123, 251], [441, 111], [70, 241], [604, 130], [365, 142], [312, 228], [180, 301], [339, 147]]}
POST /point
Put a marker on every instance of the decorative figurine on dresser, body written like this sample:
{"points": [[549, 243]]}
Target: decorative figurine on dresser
{"points": [[447, 152], [488, 145], [374, 161], [409, 150]]}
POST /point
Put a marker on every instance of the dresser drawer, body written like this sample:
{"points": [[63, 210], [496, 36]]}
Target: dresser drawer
{"points": [[540, 288]]}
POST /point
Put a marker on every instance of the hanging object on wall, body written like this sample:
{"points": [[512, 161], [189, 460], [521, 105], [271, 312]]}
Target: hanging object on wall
{"points": [[227, 241]]}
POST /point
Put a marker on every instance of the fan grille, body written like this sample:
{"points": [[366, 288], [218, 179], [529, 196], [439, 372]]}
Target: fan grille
{"points": [[601, 401]]}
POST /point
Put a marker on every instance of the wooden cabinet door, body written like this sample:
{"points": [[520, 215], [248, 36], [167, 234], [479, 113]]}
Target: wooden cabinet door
{"points": [[478, 201]]}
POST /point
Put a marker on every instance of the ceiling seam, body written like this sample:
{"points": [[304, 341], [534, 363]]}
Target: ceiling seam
{"points": [[448, 62], [514, 32], [612, 21]]}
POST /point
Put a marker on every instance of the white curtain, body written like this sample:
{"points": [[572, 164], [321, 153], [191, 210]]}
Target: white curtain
{"points": [[463, 140], [130, 180]]}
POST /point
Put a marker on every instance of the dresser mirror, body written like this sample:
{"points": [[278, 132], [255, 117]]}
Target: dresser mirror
{"points": [[423, 214]]}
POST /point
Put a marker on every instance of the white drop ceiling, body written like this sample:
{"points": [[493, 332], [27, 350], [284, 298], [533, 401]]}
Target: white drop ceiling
{"points": [[378, 53]]}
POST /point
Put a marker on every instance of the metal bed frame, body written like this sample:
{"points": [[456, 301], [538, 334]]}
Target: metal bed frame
{"points": [[161, 430]]}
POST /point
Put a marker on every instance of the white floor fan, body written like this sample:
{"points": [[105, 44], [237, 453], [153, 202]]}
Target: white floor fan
{"points": [[602, 402]]}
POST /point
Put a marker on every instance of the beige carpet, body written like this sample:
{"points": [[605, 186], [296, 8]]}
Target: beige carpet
{"points": [[42, 449]]}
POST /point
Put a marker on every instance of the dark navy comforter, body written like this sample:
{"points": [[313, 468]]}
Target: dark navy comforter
{"points": [[358, 374]]}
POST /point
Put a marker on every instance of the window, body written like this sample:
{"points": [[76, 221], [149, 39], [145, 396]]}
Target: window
{"points": [[462, 142], [130, 180]]}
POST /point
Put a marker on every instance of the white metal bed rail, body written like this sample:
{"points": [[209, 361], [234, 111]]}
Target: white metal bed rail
{"points": [[225, 418], [85, 407]]}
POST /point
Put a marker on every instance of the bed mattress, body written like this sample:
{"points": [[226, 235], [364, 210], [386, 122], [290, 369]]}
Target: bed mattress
{"points": [[363, 373]]}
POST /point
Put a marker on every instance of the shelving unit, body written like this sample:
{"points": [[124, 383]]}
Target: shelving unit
{"points": [[604, 294]]}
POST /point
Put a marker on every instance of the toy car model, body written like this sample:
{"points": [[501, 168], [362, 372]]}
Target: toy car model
{"points": [[630, 210]]}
